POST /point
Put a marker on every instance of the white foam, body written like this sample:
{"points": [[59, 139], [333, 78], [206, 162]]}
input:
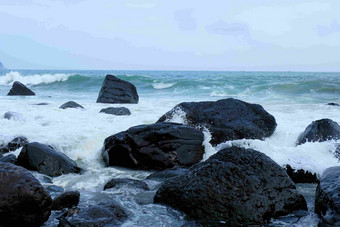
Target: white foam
{"points": [[162, 85], [9, 78]]}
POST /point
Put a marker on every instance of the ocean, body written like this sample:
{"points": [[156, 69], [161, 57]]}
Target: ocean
{"points": [[295, 99]]}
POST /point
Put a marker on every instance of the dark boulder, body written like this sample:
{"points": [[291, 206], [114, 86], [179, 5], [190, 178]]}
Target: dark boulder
{"points": [[70, 104], [119, 111], [236, 185], [100, 215], [167, 173], [115, 90], [23, 201], [333, 104], [118, 182], [44, 159], [320, 131], [156, 146], [227, 119], [14, 144], [12, 115], [301, 176], [11, 158], [327, 200], [66, 200], [20, 89]]}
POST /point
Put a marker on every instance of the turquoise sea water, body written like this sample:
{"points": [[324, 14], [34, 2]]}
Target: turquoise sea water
{"points": [[295, 99]]}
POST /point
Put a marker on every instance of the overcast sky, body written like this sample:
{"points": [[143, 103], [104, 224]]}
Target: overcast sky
{"points": [[286, 35]]}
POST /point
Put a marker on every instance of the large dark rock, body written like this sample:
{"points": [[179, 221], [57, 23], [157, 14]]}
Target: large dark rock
{"points": [[156, 146], [227, 119], [20, 89], [119, 111], [327, 200], [236, 185], [115, 90], [118, 182], [23, 201], [100, 215], [320, 131], [301, 176], [66, 200], [46, 160], [70, 104]]}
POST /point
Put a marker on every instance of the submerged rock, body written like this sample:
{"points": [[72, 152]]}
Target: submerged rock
{"points": [[119, 111], [46, 160], [11, 158], [117, 182], [156, 146], [66, 200], [320, 131], [102, 214], [333, 104], [327, 200], [236, 185], [12, 115], [20, 89], [23, 201], [301, 176], [115, 90], [227, 119], [70, 104], [167, 173]]}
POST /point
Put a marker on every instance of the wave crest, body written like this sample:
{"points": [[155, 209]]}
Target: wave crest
{"points": [[9, 78]]}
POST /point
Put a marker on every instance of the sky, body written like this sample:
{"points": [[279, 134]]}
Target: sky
{"points": [[244, 35]]}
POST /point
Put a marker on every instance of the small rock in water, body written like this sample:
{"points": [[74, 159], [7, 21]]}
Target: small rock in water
{"points": [[45, 160], [23, 200], [66, 200], [70, 104], [333, 104], [118, 111], [102, 214], [327, 200], [54, 188], [20, 89], [118, 182], [301, 176], [12, 115], [115, 90], [320, 131], [167, 173]]}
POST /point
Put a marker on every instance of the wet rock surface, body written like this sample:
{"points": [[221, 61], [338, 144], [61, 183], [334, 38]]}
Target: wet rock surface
{"points": [[115, 90], [227, 119], [320, 131], [70, 104], [23, 201], [327, 200], [301, 176], [236, 185], [119, 182], [44, 159], [166, 174], [20, 89], [118, 111], [156, 146], [66, 200]]}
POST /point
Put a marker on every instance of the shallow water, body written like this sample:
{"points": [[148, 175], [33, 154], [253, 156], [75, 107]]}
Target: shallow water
{"points": [[294, 99]]}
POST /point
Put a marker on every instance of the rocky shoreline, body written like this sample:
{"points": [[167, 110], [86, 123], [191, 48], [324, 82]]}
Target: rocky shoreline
{"points": [[237, 186]]}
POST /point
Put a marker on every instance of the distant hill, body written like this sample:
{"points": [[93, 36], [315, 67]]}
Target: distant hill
{"points": [[2, 66]]}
